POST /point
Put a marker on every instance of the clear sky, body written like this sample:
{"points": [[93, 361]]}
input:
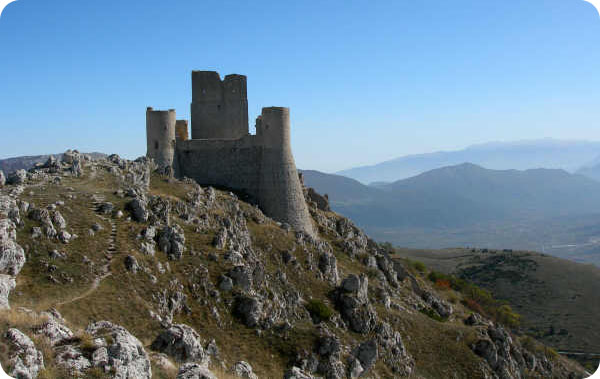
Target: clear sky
{"points": [[366, 81]]}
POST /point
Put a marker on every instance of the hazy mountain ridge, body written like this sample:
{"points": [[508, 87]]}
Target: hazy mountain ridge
{"points": [[467, 205], [521, 155]]}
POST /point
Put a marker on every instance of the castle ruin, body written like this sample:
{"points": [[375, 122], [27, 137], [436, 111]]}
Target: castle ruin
{"points": [[222, 152]]}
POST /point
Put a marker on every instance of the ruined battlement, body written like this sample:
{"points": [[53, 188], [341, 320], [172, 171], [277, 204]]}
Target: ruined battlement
{"points": [[219, 108], [222, 153]]}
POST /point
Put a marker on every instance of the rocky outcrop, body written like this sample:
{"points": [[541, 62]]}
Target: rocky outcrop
{"points": [[12, 256], [194, 371], [7, 284], [2, 179], [171, 240], [54, 328], [249, 309], [125, 354], [26, 360], [17, 177], [242, 369], [353, 303], [182, 343]]}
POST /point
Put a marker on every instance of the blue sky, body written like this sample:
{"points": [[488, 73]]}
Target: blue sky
{"points": [[365, 80]]}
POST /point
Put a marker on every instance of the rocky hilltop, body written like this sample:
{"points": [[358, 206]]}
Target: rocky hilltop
{"points": [[109, 269]]}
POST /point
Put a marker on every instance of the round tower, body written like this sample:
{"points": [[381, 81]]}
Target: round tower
{"points": [[160, 136], [280, 193]]}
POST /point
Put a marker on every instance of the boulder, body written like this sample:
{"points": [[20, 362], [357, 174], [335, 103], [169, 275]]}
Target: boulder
{"points": [[12, 256], [131, 264], [26, 360], [58, 220], [366, 353], [17, 177], [139, 209], [194, 371], [353, 303], [126, 354], [181, 342], [2, 179], [296, 373], [241, 276], [242, 369], [7, 284], [328, 266], [54, 329], [72, 359], [171, 240], [64, 236], [249, 310]]}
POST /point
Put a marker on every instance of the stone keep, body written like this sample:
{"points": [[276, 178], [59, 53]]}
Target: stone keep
{"points": [[222, 153]]}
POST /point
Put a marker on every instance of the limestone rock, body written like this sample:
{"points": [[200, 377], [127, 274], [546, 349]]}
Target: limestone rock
{"points": [[182, 343], [131, 264], [26, 360], [7, 284], [64, 236], [12, 256], [2, 179], [328, 266], [242, 369], [241, 276], [296, 373], [171, 240], [249, 309], [194, 371], [17, 177], [139, 209], [366, 353], [392, 351], [354, 305], [126, 354], [58, 220], [9, 209], [54, 329], [71, 358]]}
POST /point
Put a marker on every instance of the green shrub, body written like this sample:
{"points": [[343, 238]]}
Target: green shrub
{"points": [[418, 266], [319, 311], [433, 314], [506, 316]]}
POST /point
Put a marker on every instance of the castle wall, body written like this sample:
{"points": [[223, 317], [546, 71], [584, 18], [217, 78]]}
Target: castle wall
{"points": [[160, 136], [260, 166], [219, 108]]}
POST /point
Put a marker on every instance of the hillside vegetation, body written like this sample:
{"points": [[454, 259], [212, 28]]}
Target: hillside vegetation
{"points": [[559, 300], [109, 269]]}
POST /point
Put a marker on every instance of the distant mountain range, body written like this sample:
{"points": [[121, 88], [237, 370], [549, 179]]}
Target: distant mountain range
{"points": [[520, 155], [467, 205]]}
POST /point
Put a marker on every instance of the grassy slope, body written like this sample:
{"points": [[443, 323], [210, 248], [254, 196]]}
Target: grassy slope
{"points": [[440, 349], [547, 291]]}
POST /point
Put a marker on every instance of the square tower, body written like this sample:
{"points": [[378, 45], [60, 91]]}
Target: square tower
{"points": [[219, 108]]}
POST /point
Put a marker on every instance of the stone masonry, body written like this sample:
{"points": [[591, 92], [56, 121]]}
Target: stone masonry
{"points": [[222, 153]]}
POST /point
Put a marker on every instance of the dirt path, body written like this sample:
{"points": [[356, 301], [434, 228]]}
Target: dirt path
{"points": [[108, 255]]}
